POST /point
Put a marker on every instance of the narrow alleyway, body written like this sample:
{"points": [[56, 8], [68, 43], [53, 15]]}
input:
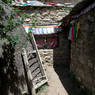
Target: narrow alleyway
{"points": [[59, 57], [60, 82], [66, 80]]}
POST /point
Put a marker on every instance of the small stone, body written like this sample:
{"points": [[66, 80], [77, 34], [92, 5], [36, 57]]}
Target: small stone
{"points": [[60, 13], [27, 19], [46, 19]]}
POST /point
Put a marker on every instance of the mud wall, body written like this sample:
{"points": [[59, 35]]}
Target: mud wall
{"points": [[83, 51], [61, 54]]}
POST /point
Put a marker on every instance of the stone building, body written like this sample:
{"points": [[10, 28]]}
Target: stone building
{"points": [[45, 16], [83, 48]]}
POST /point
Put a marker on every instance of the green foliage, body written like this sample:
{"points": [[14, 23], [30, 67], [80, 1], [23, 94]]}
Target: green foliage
{"points": [[34, 19], [43, 87], [1, 9], [23, 16], [5, 29], [9, 2], [12, 23], [28, 36], [12, 40]]}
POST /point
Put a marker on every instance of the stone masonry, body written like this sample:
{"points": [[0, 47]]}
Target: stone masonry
{"points": [[61, 1], [49, 15], [44, 15], [58, 56]]}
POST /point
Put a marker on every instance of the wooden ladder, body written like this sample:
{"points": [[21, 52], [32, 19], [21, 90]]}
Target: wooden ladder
{"points": [[33, 65]]}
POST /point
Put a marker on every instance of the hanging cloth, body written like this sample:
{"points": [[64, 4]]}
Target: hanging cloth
{"points": [[75, 32], [78, 28], [72, 33]]}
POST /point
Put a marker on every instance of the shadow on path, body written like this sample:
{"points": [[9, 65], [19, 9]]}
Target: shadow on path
{"points": [[71, 86]]}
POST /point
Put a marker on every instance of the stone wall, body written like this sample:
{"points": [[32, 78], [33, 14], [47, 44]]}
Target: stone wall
{"points": [[46, 56], [83, 51], [62, 1], [66, 1], [50, 15], [58, 56], [44, 15]]}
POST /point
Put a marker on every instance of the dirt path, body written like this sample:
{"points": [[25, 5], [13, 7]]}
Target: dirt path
{"points": [[55, 86], [70, 84], [60, 82]]}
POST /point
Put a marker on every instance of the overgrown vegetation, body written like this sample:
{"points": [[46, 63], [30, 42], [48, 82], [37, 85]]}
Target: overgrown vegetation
{"points": [[5, 29], [43, 87], [34, 19]]}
